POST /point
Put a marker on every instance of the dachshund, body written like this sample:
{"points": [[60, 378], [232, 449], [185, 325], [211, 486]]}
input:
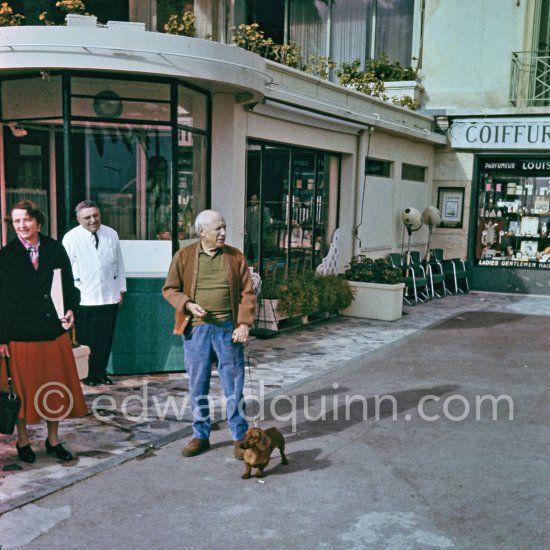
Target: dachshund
{"points": [[258, 445]]}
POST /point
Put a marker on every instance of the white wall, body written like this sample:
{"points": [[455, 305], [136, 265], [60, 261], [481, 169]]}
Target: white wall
{"points": [[453, 169], [382, 230], [229, 164], [467, 51]]}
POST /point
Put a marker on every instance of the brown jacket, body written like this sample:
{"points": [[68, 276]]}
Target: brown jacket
{"points": [[181, 282]]}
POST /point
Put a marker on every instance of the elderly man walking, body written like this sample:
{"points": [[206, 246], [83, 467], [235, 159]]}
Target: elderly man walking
{"points": [[209, 286]]}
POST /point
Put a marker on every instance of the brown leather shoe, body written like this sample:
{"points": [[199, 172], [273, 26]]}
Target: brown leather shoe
{"points": [[196, 447], [238, 453]]}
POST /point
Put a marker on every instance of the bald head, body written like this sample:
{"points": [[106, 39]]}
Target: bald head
{"points": [[210, 227]]}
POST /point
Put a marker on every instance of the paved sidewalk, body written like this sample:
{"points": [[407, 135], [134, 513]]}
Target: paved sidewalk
{"points": [[141, 413]]}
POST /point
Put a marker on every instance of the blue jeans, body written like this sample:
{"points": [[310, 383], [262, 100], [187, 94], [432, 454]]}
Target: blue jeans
{"points": [[198, 342]]}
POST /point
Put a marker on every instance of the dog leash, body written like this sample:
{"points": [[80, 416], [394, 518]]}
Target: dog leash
{"points": [[250, 381]]}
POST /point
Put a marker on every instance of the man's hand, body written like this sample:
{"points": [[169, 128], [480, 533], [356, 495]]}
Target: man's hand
{"points": [[195, 309], [240, 334], [4, 350]]}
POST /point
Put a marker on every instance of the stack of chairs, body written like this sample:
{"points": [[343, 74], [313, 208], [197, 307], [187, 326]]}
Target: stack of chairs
{"points": [[454, 269], [415, 279], [434, 272]]}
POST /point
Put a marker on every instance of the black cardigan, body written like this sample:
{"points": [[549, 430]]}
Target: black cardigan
{"points": [[27, 313]]}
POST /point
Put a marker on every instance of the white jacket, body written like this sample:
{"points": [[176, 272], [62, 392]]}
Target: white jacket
{"points": [[98, 273]]}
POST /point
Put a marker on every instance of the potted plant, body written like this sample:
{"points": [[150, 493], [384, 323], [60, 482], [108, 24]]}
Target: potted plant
{"points": [[269, 313], [291, 296], [334, 294], [300, 296], [377, 288]]}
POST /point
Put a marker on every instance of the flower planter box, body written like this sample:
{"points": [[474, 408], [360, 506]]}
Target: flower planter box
{"points": [[81, 356], [268, 318], [376, 301], [402, 88]]}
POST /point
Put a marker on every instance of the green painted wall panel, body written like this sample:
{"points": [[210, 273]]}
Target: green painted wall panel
{"points": [[515, 281], [143, 341]]}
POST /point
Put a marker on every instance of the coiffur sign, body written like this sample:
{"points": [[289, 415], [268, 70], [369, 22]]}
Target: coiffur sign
{"points": [[500, 133]]}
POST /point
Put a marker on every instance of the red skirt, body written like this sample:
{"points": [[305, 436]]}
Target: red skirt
{"points": [[45, 378]]}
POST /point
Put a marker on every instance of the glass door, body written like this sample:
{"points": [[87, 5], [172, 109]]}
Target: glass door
{"points": [[291, 207]]}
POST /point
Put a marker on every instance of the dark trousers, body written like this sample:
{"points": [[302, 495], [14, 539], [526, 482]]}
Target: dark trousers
{"points": [[95, 327]]}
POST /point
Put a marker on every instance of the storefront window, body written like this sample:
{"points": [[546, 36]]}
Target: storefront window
{"points": [[24, 98], [26, 170], [291, 207], [191, 199], [125, 170], [122, 150], [513, 212], [192, 109]]}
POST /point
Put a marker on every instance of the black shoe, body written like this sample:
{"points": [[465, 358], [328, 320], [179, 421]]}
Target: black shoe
{"points": [[91, 382], [59, 451], [26, 454], [107, 381]]}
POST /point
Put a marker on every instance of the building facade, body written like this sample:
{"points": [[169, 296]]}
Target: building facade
{"points": [[488, 90], [157, 127]]}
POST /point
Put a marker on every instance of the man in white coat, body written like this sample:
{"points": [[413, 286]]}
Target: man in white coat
{"points": [[98, 270]]}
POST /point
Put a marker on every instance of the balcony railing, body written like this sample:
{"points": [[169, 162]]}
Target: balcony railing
{"points": [[530, 81]]}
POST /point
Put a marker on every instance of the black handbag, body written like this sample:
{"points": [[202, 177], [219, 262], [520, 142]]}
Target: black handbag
{"points": [[9, 405]]}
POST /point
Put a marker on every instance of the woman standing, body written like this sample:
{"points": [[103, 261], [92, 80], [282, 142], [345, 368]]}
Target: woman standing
{"points": [[31, 333]]}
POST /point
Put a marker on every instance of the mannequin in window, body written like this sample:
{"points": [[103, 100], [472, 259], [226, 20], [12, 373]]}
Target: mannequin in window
{"points": [[160, 209], [253, 230]]}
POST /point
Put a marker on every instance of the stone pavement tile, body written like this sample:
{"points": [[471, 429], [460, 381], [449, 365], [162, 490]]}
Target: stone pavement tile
{"points": [[141, 412]]}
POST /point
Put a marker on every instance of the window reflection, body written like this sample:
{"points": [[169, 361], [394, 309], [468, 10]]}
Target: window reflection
{"points": [[121, 152]]}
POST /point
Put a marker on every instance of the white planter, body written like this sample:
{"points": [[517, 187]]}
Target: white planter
{"points": [[375, 301], [268, 317], [402, 88], [81, 356]]}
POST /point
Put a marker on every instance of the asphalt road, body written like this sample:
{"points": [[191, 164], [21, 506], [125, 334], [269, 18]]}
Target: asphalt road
{"points": [[397, 450]]}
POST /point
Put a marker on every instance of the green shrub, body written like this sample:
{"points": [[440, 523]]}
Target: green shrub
{"points": [[334, 293], [298, 295], [367, 270], [308, 293]]}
